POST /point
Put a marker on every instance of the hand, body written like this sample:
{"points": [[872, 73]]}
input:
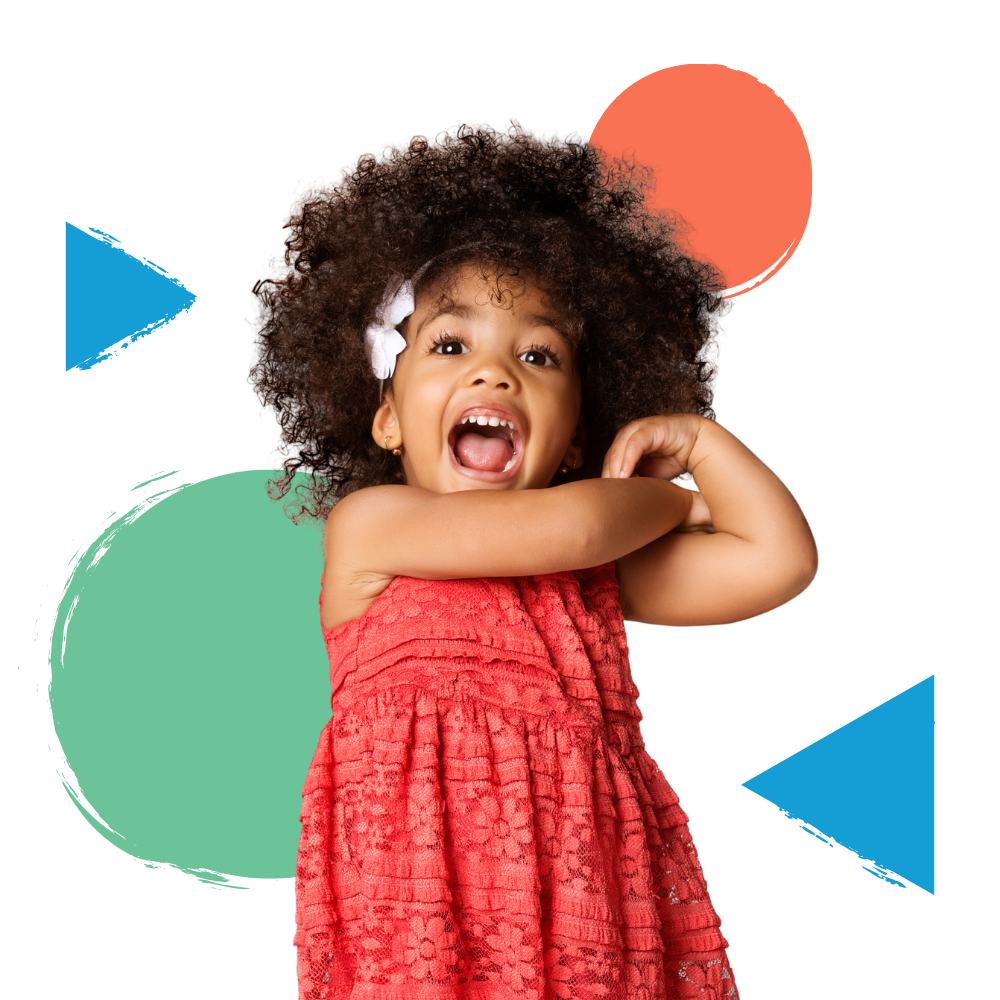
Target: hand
{"points": [[699, 518], [661, 448]]}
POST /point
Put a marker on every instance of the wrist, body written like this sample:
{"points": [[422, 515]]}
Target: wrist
{"points": [[706, 439], [678, 507]]}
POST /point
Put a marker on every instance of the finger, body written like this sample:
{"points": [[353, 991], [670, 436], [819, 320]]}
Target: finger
{"points": [[635, 447], [616, 454], [614, 462], [611, 460], [627, 448]]}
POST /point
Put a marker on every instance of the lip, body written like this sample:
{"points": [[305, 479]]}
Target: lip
{"points": [[517, 441]]}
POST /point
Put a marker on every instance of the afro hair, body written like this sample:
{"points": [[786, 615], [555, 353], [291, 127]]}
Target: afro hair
{"points": [[560, 213]]}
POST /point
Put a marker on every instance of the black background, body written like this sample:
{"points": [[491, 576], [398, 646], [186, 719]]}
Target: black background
{"points": [[198, 182]]}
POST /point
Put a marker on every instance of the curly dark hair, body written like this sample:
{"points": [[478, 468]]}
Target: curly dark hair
{"points": [[639, 309]]}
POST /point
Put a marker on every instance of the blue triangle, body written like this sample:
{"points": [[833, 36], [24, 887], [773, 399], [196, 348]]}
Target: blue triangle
{"points": [[869, 785], [112, 297]]}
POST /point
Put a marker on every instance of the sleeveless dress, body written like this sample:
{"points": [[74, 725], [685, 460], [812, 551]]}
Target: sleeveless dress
{"points": [[481, 819]]}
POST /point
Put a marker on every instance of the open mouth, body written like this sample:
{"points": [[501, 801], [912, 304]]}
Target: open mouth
{"points": [[486, 441]]}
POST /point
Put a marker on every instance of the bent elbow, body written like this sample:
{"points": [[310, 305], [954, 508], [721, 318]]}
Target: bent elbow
{"points": [[804, 577]]}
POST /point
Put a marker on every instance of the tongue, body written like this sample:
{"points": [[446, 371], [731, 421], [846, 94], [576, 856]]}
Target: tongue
{"points": [[488, 454]]}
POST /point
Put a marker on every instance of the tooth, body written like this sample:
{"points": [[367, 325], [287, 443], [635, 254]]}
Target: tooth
{"points": [[464, 419], [494, 421], [482, 421], [509, 466], [503, 423]]}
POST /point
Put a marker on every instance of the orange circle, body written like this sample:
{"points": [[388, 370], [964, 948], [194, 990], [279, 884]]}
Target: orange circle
{"points": [[729, 158]]}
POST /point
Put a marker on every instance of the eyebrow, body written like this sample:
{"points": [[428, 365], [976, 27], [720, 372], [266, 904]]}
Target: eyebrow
{"points": [[471, 312]]}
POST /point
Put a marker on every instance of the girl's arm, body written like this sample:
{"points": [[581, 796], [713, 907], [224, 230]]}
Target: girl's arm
{"points": [[386, 531], [761, 553]]}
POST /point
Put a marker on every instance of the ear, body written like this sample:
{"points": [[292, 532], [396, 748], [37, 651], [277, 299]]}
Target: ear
{"points": [[385, 426]]}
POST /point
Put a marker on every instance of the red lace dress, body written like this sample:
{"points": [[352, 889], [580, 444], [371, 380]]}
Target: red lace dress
{"points": [[481, 818]]}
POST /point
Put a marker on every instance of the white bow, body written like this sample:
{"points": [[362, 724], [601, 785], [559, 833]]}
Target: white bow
{"points": [[383, 339]]}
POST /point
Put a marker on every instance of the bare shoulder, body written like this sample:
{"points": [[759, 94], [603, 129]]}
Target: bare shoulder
{"points": [[364, 515], [354, 530], [360, 506]]}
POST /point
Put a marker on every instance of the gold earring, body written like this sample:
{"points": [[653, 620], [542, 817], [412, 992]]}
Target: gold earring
{"points": [[395, 451], [563, 470]]}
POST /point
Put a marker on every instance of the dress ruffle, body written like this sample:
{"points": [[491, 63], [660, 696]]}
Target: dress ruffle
{"points": [[481, 817]]}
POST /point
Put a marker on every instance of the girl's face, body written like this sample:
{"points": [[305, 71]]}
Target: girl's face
{"points": [[484, 396]]}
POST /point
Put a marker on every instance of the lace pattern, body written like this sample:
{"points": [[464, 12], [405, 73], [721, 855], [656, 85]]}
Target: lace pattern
{"points": [[481, 818]]}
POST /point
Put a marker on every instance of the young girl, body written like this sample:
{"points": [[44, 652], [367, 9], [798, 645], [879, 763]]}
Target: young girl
{"points": [[490, 355]]}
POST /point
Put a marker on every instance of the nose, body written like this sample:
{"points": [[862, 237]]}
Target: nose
{"points": [[493, 371]]}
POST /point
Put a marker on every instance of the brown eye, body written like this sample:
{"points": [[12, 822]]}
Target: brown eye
{"points": [[545, 352], [540, 356], [533, 356], [450, 347]]}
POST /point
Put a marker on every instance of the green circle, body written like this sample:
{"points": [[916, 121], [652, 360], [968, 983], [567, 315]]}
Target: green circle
{"points": [[189, 678]]}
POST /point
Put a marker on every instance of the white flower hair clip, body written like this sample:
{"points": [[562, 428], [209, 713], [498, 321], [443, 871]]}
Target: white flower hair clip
{"points": [[384, 341]]}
